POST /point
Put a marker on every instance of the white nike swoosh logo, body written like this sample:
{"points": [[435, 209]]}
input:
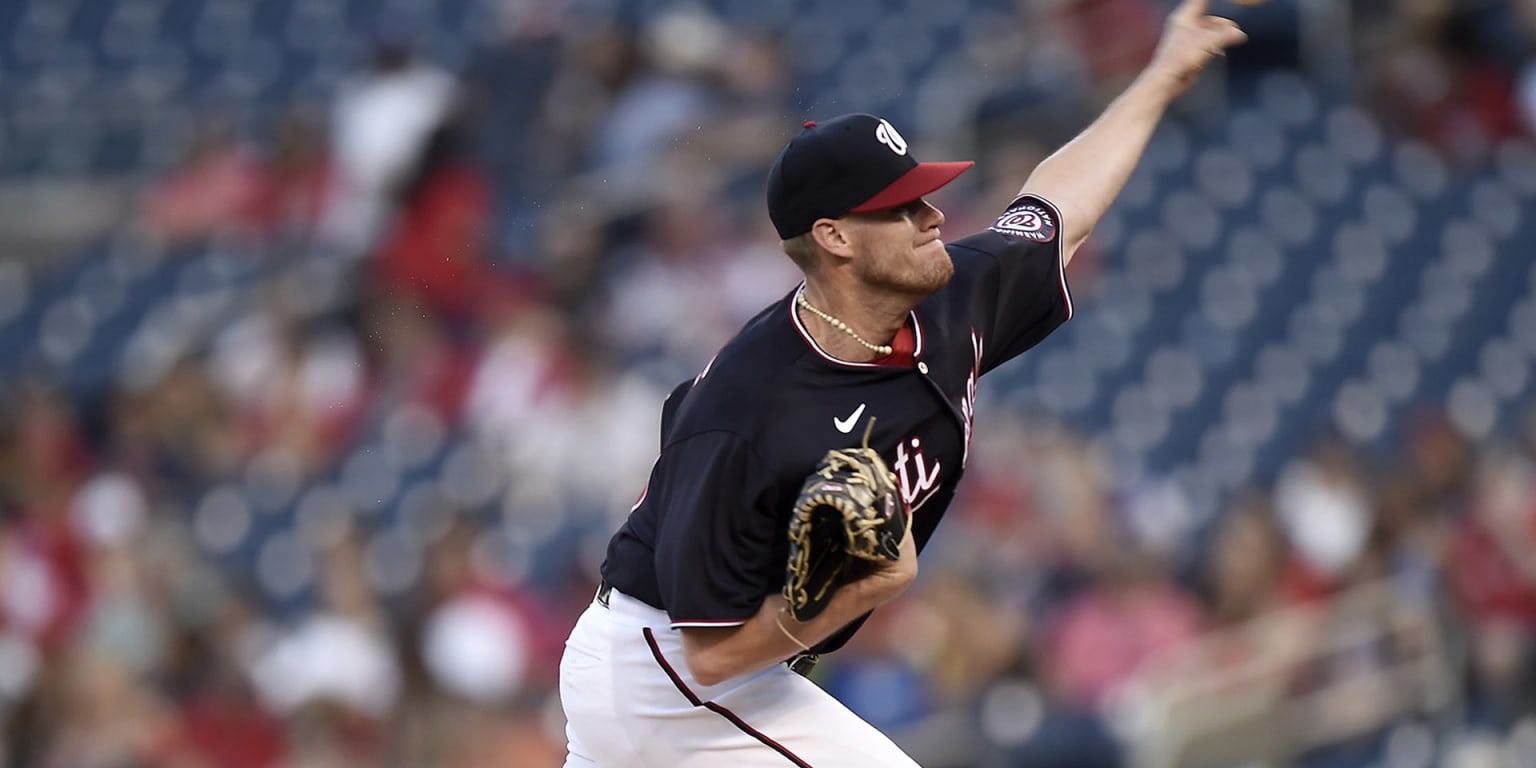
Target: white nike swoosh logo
{"points": [[846, 425]]}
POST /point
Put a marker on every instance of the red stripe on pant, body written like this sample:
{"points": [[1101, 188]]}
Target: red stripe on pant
{"points": [[650, 639]]}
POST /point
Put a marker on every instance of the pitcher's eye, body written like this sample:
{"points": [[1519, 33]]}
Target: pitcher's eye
{"points": [[897, 213]]}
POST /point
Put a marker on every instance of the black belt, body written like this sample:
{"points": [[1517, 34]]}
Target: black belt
{"points": [[801, 663]]}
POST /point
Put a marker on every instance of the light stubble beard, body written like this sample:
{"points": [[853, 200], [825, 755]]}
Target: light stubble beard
{"points": [[917, 284]]}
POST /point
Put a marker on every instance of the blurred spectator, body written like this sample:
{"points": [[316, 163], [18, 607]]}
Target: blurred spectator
{"points": [[1434, 80], [216, 187], [571, 256], [44, 564], [508, 81], [671, 94], [1131, 613], [1250, 579], [1492, 567], [459, 578], [1501, 675], [519, 372], [881, 680], [552, 462], [101, 718], [1438, 459], [219, 720], [412, 361], [689, 244], [334, 675], [178, 436], [121, 624], [750, 84], [296, 391], [381, 120], [1320, 500], [1517, 33], [601, 59], [1041, 90], [1115, 38], [433, 252], [1408, 545], [482, 659], [1243, 572], [290, 203], [757, 82]]}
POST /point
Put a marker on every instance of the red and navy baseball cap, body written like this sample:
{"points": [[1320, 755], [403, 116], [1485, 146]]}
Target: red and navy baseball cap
{"points": [[850, 164]]}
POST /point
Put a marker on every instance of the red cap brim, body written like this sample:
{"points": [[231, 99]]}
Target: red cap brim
{"points": [[923, 179]]}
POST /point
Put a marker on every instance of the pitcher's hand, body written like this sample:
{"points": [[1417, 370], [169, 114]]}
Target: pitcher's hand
{"points": [[1191, 39]]}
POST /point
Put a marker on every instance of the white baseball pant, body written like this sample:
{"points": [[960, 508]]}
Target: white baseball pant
{"points": [[630, 702]]}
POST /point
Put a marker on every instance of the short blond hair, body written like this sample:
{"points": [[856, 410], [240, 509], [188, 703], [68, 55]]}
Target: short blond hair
{"points": [[803, 251]]}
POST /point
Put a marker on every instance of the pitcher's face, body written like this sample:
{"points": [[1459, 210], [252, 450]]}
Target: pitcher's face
{"points": [[900, 248]]}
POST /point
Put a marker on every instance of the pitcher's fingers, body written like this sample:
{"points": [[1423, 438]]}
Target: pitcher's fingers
{"points": [[1191, 10], [1220, 22], [1230, 33]]}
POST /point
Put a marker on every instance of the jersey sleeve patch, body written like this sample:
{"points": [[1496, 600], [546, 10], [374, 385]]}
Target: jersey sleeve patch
{"points": [[1029, 219]]}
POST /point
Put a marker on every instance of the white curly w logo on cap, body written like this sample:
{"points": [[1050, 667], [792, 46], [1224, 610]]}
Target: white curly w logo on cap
{"points": [[886, 134]]}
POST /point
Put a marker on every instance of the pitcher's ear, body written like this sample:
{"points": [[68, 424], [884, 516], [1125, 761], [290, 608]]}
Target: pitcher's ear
{"points": [[834, 237]]}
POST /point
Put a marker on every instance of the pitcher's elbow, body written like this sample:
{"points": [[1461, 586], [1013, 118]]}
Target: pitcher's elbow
{"points": [[706, 669]]}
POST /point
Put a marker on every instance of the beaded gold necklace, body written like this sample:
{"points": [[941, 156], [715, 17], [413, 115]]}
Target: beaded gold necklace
{"points": [[879, 349]]}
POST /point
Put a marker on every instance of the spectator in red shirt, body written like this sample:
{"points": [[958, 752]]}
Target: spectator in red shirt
{"points": [[1104, 635], [216, 188], [1492, 559], [433, 252]]}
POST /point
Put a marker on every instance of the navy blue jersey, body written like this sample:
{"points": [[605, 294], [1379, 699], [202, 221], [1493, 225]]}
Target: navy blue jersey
{"points": [[707, 541]]}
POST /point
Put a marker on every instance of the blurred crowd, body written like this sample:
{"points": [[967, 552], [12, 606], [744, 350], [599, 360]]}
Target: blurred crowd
{"points": [[535, 246]]}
